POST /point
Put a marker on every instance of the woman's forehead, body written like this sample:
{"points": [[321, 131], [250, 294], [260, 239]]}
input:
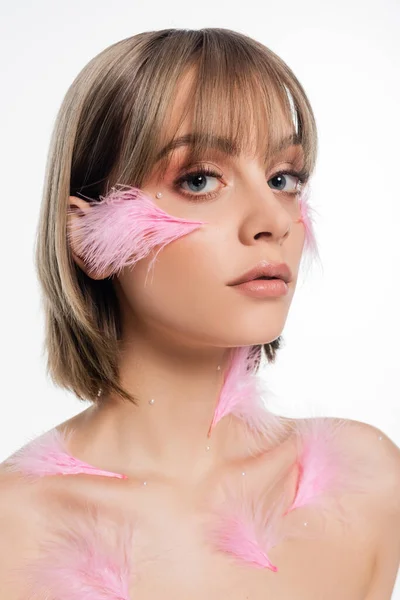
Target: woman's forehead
{"points": [[242, 124]]}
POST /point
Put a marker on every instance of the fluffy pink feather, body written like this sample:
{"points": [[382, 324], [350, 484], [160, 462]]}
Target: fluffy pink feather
{"points": [[242, 396], [245, 529], [310, 244], [48, 455], [327, 469], [122, 228], [87, 558], [325, 464]]}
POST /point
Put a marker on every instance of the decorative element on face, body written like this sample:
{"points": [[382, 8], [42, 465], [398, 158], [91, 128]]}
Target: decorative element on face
{"points": [[310, 244], [123, 228]]}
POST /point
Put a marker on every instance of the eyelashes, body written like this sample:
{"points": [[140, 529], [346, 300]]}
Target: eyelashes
{"points": [[301, 175], [126, 226], [199, 172]]}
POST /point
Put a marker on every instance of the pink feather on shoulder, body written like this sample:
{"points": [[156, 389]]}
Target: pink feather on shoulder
{"points": [[327, 468], [327, 463], [48, 455]]}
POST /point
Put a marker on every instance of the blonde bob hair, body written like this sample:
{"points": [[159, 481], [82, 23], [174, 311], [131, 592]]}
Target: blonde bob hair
{"points": [[110, 129]]}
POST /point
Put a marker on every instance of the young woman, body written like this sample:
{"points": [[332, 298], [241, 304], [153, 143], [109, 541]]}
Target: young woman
{"points": [[176, 187]]}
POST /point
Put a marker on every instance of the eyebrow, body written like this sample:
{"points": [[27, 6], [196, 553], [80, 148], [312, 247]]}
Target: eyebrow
{"points": [[223, 144]]}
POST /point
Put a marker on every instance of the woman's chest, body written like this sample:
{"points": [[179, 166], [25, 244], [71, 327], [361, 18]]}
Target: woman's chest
{"points": [[171, 545], [252, 533], [175, 560]]}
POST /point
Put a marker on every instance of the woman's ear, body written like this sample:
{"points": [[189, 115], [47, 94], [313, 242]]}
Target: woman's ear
{"points": [[76, 210]]}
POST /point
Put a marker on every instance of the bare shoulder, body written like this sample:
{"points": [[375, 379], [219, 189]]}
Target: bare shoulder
{"points": [[379, 507], [383, 456], [368, 445], [19, 527]]}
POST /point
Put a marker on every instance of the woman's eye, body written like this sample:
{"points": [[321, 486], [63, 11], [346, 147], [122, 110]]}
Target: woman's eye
{"points": [[283, 178], [201, 184], [198, 183]]}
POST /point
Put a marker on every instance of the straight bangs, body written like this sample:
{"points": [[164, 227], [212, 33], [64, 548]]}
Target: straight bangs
{"points": [[241, 101], [241, 98]]}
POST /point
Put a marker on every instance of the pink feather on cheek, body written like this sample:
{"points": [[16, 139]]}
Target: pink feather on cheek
{"points": [[306, 218], [123, 228]]}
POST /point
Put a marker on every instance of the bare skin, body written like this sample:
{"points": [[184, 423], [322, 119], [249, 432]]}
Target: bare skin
{"points": [[170, 556], [176, 331]]}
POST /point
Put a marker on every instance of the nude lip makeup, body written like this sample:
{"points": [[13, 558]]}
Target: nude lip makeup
{"points": [[265, 268], [263, 288]]}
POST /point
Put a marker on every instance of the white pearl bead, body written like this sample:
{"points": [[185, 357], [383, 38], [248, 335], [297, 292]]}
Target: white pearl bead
{"points": [[158, 195], [380, 438], [243, 472], [219, 368], [151, 401], [305, 523], [207, 447], [144, 482]]}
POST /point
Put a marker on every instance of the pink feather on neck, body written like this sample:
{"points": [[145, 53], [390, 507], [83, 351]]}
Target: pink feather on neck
{"points": [[242, 396]]}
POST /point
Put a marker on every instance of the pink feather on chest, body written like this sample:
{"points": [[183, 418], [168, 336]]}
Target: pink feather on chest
{"points": [[84, 564], [246, 529], [87, 558]]}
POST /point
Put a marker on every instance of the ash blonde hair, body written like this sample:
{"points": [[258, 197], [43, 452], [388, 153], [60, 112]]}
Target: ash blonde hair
{"points": [[110, 129]]}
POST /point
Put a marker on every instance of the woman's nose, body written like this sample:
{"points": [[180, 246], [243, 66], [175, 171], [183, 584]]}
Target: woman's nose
{"points": [[267, 217]]}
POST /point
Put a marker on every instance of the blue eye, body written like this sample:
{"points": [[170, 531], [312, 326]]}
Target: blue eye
{"points": [[281, 178], [197, 182]]}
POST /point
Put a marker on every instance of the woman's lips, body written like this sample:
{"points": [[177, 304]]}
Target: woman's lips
{"points": [[263, 288]]}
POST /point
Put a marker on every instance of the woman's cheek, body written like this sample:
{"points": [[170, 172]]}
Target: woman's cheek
{"points": [[122, 229]]}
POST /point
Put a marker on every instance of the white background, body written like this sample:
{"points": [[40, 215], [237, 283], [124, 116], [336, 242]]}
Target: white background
{"points": [[341, 354]]}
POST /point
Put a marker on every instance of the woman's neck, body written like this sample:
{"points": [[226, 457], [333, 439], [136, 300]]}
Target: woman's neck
{"points": [[167, 431]]}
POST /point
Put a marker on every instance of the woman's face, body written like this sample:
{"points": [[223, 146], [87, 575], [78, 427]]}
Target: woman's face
{"points": [[251, 217]]}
